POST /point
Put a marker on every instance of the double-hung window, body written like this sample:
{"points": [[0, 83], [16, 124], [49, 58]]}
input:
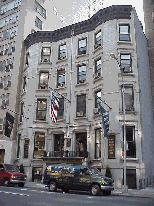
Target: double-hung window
{"points": [[130, 141], [82, 46], [81, 105], [128, 98], [21, 111], [1, 126], [125, 63], [98, 68], [39, 144], [61, 108], [41, 109], [43, 81], [26, 148], [97, 100], [82, 70], [45, 54], [38, 23], [60, 77], [97, 143], [97, 40], [124, 32], [62, 52]]}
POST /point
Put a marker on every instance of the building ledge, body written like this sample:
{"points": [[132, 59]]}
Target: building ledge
{"points": [[40, 121], [135, 160], [128, 112], [97, 79], [44, 90], [45, 63], [80, 118], [61, 60], [37, 159], [97, 49], [82, 55], [125, 42], [96, 115], [82, 84], [58, 88], [126, 74]]}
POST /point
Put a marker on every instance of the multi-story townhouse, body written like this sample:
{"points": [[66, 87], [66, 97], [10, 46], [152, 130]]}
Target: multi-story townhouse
{"points": [[18, 18], [75, 63]]}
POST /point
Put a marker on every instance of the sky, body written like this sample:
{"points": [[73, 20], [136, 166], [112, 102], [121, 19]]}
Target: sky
{"points": [[138, 4]]}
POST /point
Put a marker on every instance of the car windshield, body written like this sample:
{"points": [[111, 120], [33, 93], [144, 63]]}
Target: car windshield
{"points": [[94, 171], [11, 168]]}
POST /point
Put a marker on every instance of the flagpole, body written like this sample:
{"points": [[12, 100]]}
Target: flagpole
{"points": [[104, 102], [60, 94], [17, 113], [124, 187]]}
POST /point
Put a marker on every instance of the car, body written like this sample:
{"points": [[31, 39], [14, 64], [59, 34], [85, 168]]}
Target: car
{"points": [[10, 174], [76, 177]]}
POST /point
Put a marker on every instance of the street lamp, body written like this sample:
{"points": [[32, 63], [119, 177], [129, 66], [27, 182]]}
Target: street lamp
{"points": [[124, 187]]}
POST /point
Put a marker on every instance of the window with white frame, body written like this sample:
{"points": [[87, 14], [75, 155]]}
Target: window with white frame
{"points": [[82, 46], [97, 100], [41, 109], [39, 144], [81, 105], [62, 52], [130, 142], [81, 73], [125, 63], [18, 146], [128, 98], [97, 68], [45, 54], [60, 77], [97, 40], [60, 112], [124, 32], [43, 80], [38, 23], [40, 9], [21, 111], [153, 16]]}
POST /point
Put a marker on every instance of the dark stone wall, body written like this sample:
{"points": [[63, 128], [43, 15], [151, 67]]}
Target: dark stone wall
{"points": [[103, 15]]}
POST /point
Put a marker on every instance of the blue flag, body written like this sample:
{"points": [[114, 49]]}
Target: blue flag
{"points": [[105, 119]]}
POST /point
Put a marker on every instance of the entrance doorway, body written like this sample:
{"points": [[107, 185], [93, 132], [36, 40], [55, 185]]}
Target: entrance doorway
{"points": [[81, 144], [37, 174], [2, 154], [59, 145], [131, 178]]}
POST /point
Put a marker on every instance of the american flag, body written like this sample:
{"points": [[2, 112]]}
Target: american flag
{"points": [[54, 107]]}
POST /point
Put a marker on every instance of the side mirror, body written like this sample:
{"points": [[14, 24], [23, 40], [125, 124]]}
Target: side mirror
{"points": [[1, 169]]}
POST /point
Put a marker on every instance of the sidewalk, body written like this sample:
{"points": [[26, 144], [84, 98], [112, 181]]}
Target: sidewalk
{"points": [[147, 192]]}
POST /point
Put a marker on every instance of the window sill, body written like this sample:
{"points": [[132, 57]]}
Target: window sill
{"points": [[128, 112], [97, 79], [81, 118], [125, 42], [96, 115], [61, 60], [60, 120], [37, 159], [82, 55], [98, 159], [97, 49], [23, 93], [59, 87], [45, 63], [40, 121], [44, 90], [126, 74], [82, 84], [129, 159]]}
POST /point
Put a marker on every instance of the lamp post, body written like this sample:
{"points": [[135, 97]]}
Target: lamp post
{"points": [[124, 187]]}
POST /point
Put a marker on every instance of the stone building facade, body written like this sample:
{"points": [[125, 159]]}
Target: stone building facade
{"points": [[75, 62], [148, 7]]}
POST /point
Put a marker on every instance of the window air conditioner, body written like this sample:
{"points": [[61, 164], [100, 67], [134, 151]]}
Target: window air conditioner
{"points": [[45, 60], [62, 57], [95, 111], [97, 75], [127, 69], [80, 114], [81, 81]]}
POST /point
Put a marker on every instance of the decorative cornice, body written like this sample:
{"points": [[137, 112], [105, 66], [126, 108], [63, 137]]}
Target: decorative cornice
{"points": [[103, 15]]}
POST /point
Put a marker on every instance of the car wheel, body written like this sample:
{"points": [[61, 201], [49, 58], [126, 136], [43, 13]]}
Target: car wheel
{"points": [[95, 190], [107, 193], [6, 182], [21, 184], [52, 187], [65, 190]]}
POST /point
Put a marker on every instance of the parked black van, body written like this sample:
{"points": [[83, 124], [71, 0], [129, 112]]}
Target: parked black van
{"points": [[77, 177]]}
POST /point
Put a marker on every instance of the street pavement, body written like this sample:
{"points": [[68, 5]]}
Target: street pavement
{"points": [[147, 192]]}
